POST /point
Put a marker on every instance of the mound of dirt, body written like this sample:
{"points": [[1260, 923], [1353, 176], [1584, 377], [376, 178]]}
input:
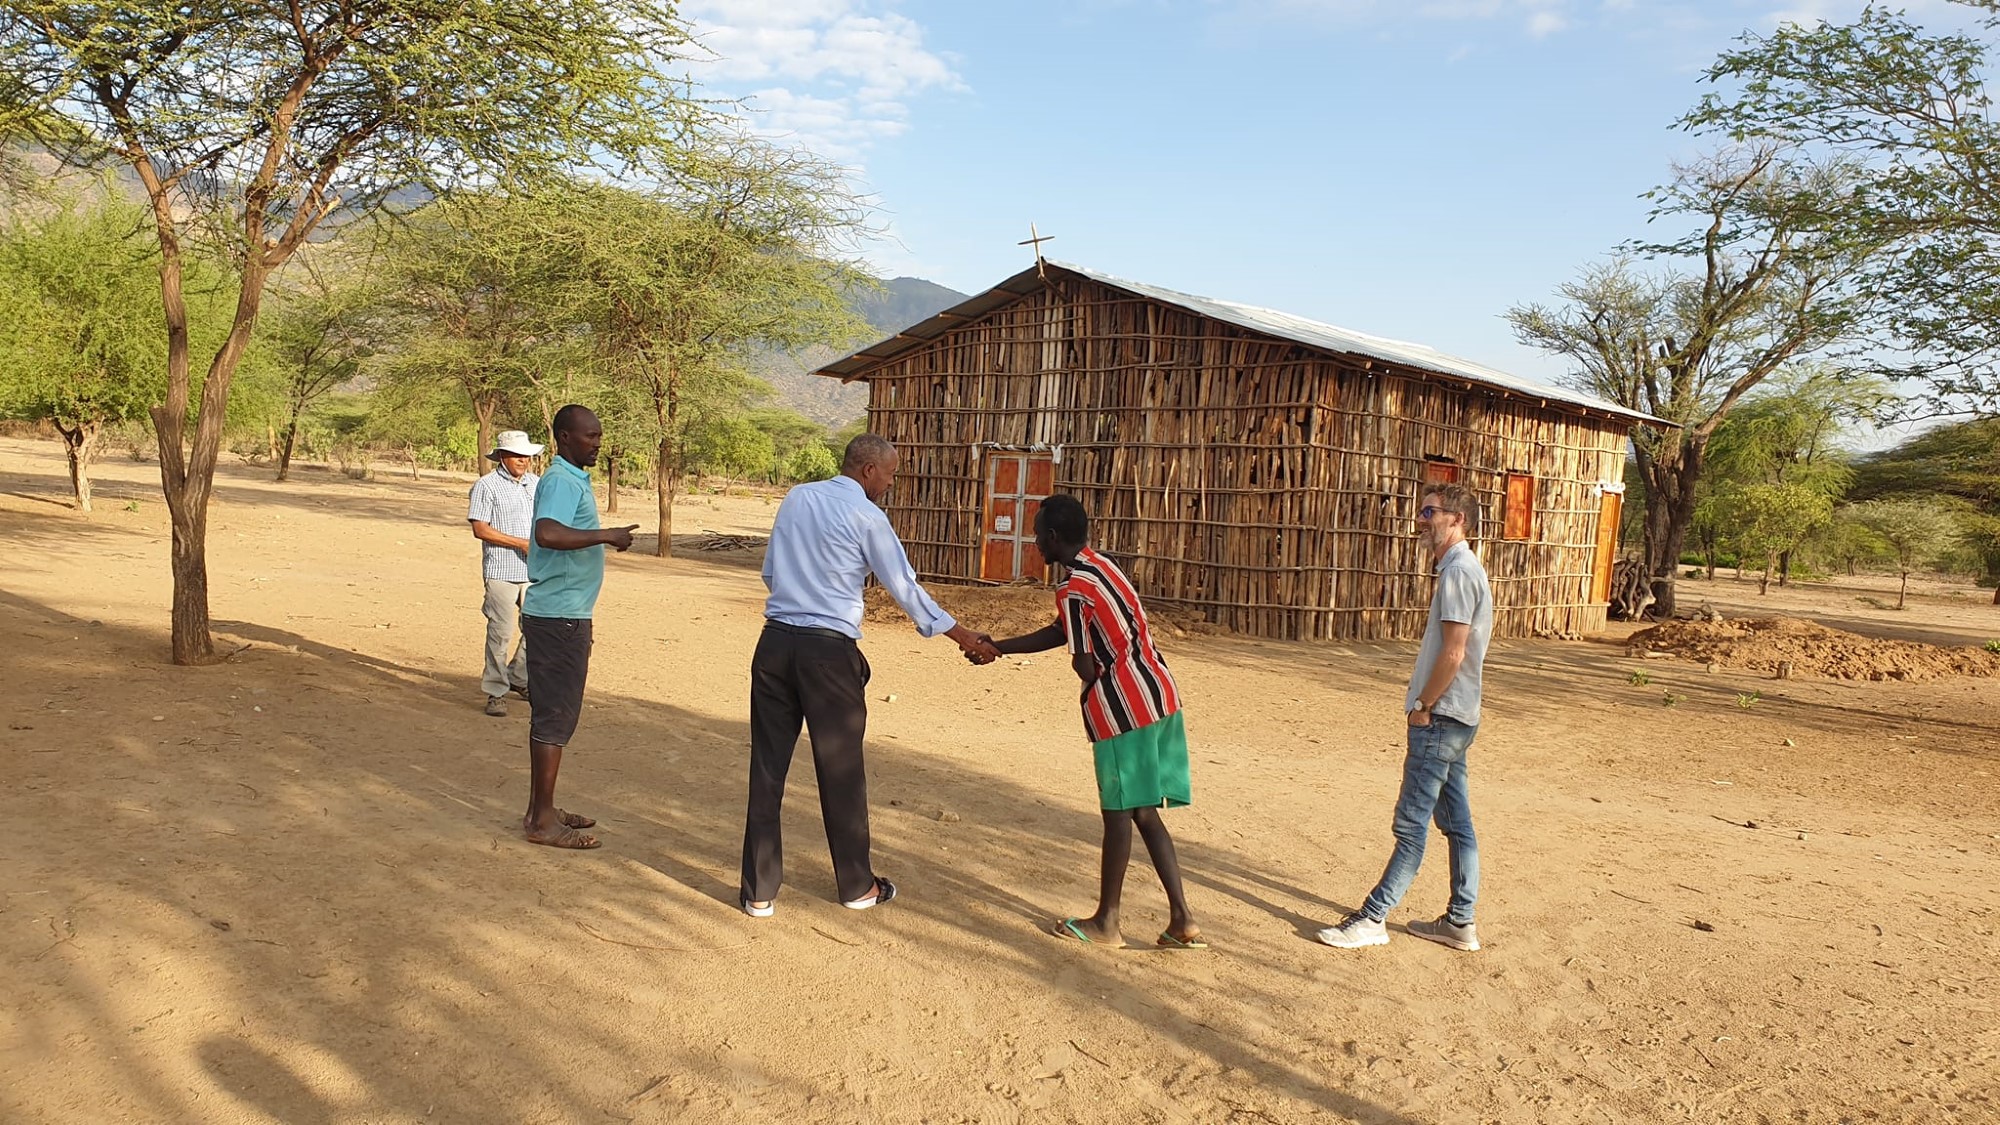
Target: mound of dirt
{"points": [[1009, 611], [1762, 643]]}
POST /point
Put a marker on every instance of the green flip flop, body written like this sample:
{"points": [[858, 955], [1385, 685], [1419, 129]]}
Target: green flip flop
{"points": [[1068, 930], [1168, 941]]}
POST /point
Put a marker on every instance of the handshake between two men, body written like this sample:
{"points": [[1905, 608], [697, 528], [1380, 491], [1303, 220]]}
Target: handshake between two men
{"points": [[980, 648], [977, 647]]}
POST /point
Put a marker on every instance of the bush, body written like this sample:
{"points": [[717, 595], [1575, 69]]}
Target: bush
{"points": [[1803, 571], [810, 462], [1723, 559]]}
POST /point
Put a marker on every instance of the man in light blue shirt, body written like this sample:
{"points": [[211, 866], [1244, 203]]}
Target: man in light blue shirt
{"points": [[565, 572], [827, 538], [1441, 710]]}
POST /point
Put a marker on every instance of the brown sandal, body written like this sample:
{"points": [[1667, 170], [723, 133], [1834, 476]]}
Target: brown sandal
{"points": [[568, 838], [566, 819]]}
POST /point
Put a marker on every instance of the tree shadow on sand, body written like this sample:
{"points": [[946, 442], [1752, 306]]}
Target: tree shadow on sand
{"points": [[330, 995]]}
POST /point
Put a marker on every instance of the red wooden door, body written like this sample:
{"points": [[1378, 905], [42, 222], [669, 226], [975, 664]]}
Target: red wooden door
{"points": [[1439, 472], [1016, 485]]}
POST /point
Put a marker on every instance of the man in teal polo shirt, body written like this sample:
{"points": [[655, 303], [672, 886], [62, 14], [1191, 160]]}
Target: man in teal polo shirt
{"points": [[565, 572]]}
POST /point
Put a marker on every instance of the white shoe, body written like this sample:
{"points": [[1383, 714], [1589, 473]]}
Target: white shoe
{"points": [[884, 891], [754, 910], [1354, 932], [1445, 932]]}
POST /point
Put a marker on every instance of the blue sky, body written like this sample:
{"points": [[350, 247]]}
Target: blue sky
{"points": [[1405, 169]]}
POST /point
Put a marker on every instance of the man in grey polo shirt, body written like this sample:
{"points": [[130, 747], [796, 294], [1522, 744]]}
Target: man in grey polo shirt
{"points": [[1441, 710], [501, 512]]}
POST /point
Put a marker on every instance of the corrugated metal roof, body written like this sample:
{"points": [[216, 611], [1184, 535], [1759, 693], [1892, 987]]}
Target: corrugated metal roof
{"points": [[1312, 333]]}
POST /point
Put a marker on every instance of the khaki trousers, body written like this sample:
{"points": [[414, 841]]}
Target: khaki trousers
{"points": [[503, 625]]}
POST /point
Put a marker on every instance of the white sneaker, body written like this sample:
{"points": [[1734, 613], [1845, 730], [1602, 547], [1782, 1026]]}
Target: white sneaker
{"points": [[754, 910], [1354, 932], [1445, 932]]}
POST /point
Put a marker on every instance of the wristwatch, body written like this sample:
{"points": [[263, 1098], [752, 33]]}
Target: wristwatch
{"points": [[1421, 706]]}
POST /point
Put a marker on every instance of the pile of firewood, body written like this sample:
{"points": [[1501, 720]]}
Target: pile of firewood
{"points": [[717, 541], [1631, 589]]}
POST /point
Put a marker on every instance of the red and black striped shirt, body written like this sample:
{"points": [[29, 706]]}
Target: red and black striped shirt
{"points": [[1100, 614]]}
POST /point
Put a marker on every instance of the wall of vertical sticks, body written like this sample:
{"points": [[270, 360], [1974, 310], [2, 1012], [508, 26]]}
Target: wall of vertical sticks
{"points": [[1271, 486]]}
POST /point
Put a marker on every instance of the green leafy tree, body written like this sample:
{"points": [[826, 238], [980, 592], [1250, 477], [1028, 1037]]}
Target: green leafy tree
{"points": [[1848, 542], [483, 295], [416, 422], [1773, 518], [690, 286], [811, 462], [1912, 107], [1787, 439], [1980, 533], [1916, 532], [314, 339], [732, 446], [1961, 461], [251, 123], [789, 430], [1759, 282], [80, 343]]}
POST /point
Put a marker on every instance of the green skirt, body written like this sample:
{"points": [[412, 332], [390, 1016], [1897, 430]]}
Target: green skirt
{"points": [[1145, 768]]}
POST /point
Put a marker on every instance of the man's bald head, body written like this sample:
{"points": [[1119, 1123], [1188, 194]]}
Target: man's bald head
{"points": [[871, 461], [866, 449]]}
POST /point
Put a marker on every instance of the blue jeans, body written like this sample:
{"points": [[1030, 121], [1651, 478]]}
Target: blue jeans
{"points": [[1433, 789]]}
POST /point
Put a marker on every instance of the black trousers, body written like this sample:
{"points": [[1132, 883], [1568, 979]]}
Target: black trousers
{"points": [[817, 678]]}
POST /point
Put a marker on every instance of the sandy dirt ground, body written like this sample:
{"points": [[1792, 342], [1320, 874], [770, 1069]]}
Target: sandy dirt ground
{"points": [[289, 887]]}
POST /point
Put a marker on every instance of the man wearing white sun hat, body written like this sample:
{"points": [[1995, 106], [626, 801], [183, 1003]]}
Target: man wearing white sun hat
{"points": [[502, 512]]}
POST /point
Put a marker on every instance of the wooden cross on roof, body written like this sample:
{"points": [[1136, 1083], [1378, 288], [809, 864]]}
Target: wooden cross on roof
{"points": [[1035, 239]]}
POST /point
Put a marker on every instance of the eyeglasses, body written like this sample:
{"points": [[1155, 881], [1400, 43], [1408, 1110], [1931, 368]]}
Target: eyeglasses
{"points": [[1429, 511]]}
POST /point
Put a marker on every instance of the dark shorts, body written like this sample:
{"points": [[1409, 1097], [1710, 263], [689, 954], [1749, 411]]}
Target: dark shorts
{"points": [[558, 662]]}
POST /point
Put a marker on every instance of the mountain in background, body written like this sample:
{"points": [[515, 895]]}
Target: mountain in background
{"points": [[899, 303]]}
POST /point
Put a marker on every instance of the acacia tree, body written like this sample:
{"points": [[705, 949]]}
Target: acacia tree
{"points": [[1771, 518], [1961, 461], [413, 419], [484, 296], [80, 345], [1770, 282], [1780, 451], [250, 122], [1913, 109], [315, 337], [686, 286], [1917, 531]]}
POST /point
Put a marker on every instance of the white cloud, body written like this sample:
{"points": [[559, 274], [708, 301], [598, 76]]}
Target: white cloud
{"points": [[832, 75], [1539, 18], [1939, 15], [1807, 13]]}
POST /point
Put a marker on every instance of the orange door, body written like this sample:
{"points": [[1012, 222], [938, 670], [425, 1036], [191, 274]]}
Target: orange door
{"points": [[1439, 472], [1608, 518], [1016, 485]]}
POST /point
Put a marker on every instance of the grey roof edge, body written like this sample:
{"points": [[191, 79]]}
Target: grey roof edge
{"points": [[1296, 329]]}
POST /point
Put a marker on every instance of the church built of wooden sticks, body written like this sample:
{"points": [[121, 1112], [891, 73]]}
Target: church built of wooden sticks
{"points": [[1258, 468]]}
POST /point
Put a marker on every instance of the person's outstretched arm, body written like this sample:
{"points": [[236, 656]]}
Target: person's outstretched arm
{"points": [[554, 535], [1041, 640], [891, 567]]}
